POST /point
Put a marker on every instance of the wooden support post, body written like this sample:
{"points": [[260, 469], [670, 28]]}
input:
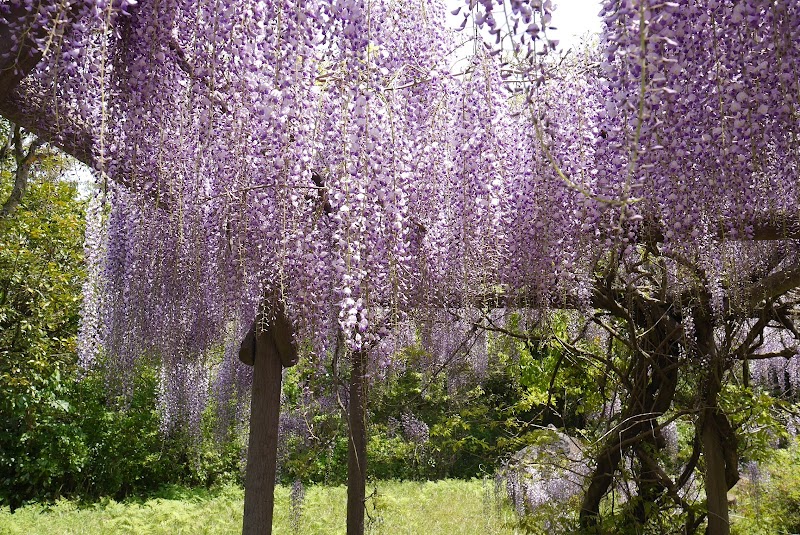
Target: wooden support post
{"points": [[357, 450], [715, 480], [262, 450], [268, 351]]}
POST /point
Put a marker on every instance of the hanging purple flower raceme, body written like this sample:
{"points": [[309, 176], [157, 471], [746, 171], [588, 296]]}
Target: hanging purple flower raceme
{"points": [[183, 395], [322, 152], [230, 386], [414, 429], [677, 130], [90, 333], [307, 144], [780, 372]]}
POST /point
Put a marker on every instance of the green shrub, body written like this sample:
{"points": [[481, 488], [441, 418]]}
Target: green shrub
{"points": [[86, 445], [41, 272], [126, 451], [768, 499]]}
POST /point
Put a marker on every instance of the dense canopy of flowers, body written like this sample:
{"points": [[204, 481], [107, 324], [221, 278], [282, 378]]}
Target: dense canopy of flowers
{"points": [[324, 155]]}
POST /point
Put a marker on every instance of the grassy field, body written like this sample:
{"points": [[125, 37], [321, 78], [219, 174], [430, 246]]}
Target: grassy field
{"points": [[444, 507]]}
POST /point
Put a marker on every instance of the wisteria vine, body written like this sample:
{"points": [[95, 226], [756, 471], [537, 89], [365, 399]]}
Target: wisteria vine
{"points": [[325, 153]]}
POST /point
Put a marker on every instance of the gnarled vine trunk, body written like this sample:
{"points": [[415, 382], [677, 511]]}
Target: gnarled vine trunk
{"points": [[653, 379]]}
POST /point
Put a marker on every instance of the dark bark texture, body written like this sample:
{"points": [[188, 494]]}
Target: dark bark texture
{"points": [[268, 351], [259, 495], [357, 450], [24, 160]]}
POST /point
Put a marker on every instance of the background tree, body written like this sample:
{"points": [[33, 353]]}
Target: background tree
{"points": [[41, 272]]}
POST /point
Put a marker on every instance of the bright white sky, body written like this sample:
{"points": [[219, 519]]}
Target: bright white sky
{"points": [[572, 18]]}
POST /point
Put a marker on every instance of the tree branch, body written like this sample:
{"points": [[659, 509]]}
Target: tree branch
{"points": [[188, 68], [16, 61], [24, 162], [772, 286], [22, 106]]}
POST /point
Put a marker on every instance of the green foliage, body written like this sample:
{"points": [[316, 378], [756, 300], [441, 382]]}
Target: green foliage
{"points": [[552, 518], [41, 250], [314, 439], [389, 457], [114, 447], [472, 427], [463, 425], [439, 508], [755, 415], [128, 453], [123, 442], [770, 504], [320, 461]]}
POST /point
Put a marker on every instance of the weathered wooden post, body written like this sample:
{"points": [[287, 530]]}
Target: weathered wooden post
{"points": [[357, 444], [268, 350]]}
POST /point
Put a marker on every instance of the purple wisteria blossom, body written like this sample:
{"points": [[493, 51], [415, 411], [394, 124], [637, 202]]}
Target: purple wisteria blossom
{"points": [[325, 153]]}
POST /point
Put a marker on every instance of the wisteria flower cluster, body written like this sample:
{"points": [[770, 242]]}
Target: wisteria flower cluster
{"points": [[323, 154]]}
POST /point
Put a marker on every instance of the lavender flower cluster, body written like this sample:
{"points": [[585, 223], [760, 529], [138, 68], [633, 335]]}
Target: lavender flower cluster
{"points": [[780, 373], [325, 153], [548, 474], [414, 429]]}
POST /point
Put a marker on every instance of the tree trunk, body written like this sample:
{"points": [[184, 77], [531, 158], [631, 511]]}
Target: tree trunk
{"points": [[262, 450], [720, 452], [600, 481], [653, 377], [24, 162], [357, 450], [715, 480]]}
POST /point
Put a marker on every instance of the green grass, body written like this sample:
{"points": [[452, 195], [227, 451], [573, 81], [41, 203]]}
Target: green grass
{"points": [[771, 506], [447, 507]]}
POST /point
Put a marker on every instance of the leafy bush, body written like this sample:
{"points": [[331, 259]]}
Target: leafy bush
{"points": [[420, 425], [129, 454], [768, 496], [58, 435], [41, 249], [88, 445]]}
